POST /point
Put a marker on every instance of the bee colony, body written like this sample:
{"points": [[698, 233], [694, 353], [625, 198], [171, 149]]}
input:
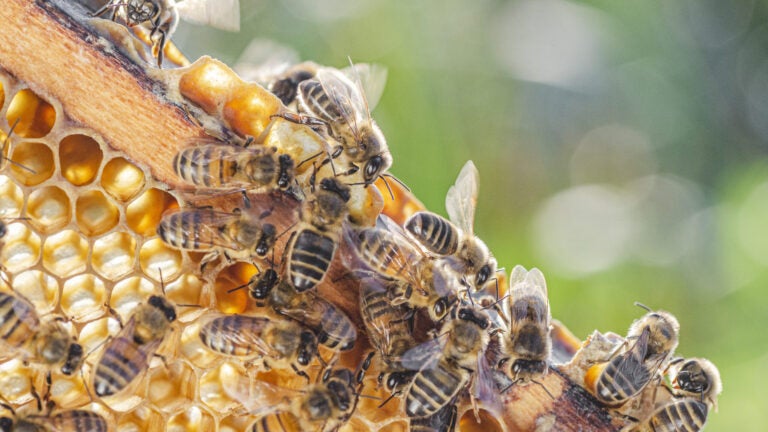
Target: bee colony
{"points": [[214, 254]]}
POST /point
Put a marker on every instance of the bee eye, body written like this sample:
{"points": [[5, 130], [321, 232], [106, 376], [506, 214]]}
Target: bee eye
{"points": [[440, 308], [372, 167], [6, 424], [483, 275]]}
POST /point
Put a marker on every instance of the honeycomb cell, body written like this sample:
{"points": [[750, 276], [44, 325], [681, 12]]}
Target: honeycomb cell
{"points": [[83, 297], [157, 258], [144, 213], [355, 424], [2, 94], [93, 335], [142, 419], [172, 388], [129, 293], [114, 255], [214, 382], [194, 350], [11, 198], [15, 385], [48, 209], [250, 108], [122, 179], [95, 213], [232, 277], [371, 406], [193, 419], [39, 288], [65, 253], [207, 82], [79, 158], [21, 248], [187, 290], [487, 423], [235, 423], [33, 163], [67, 390], [35, 116], [398, 426]]}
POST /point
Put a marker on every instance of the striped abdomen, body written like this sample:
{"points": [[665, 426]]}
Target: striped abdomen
{"points": [[683, 415], [77, 421], [276, 422], [442, 421], [211, 165], [310, 256], [623, 378], [432, 389], [122, 362], [223, 334], [18, 320], [387, 325], [314, 100], [189, 230], [335, 330], [436, 233], [383, 255]]}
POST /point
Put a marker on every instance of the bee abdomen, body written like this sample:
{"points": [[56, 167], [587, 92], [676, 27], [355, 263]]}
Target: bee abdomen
{"points": [[121, 363], [275, 422], [13, 314], [615, 386], [182, 230], [315, 100], [205, 166], [431, 390], [434, 232], [310, 257], [214, 335], [79, 420], [685, 415], [442, 421], [337, 331]]}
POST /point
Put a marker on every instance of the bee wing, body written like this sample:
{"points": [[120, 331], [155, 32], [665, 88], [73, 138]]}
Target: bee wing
{"points": [[461, 200], [24, 310], [528, 297], [259, 397], [246, 332], [74, 420], [208, 223], [371, 80], [484, 388], [347, 97], [221, 14], [423, 356], [632, 363], [264, 59]]}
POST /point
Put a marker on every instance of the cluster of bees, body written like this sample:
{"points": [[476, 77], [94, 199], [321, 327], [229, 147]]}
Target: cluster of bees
{"points": [[440, 325]]}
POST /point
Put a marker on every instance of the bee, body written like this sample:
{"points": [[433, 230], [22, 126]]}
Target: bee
{"points": [[696, 377], [332, 327], [162, 16], [390, 255], [285, 84], [45, 342], [64, 421], [331, 99], [312, 246], [529, 318], [324, 406], [442, 421], [216, 165], [446, 364], [664, 329], [454, 240], [680, 414], [256, 337], [126, 356], [236, 235]]}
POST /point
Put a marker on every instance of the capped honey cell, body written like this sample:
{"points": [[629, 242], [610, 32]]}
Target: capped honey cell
{"points": [[33, 163], [95, 213], [48, 209], [35, 116], [40, 288], [83, 297], [79, 158], [15, 385], [11, 198], [193, 419], [156, 259], [144, 213], [21, 248], [65, 253], [114, 255], [172, 388], [122, 179]]}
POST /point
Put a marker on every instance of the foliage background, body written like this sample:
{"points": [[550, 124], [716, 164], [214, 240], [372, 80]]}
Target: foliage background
{"points": [[622, 148]]}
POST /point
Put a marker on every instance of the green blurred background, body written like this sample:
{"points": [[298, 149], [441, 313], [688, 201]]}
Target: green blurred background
{"points": [[622, 146]]}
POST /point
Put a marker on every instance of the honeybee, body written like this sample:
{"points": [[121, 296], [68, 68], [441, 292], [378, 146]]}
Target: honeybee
{"points": [[126, 356], [64, 421], [446, 364], [163, 16], [331, 326], [454, 240], [236, 235], [216, 165], [46, 342], [528, 345], [313, 245], [664, 335], [331, 99], [625, 375], [257, 337], [442, 421], [324, 406], [680, 414], [696, 377], [390, 255]]}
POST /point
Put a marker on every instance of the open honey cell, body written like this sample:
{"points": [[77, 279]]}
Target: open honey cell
{"points": [[11, 199], [95, 213], [144, 213], [122, 179], [15, 384], [39, 288], [213, 385], [142, 419], [33, 163], [34, 115], [83, 297], [193, 419], [79, 158], [157, 259], [485, 422], [65, 253], [129, 293], [236, 275], [48, 209], [21, 248], [187, 292], [114, 255], [172, 388]]}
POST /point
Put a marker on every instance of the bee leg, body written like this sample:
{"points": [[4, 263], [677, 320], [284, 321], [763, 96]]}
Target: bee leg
{"points": [[162, 358], [313, 122], [33, 391], [301, 373], [246, 200], [210, 256]]}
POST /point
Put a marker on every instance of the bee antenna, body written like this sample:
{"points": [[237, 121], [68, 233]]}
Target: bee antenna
{"points": [[544, 387], [392, 396], [282, 233], [237, 288], [5, 143], [640, 305], [371, 397], [386, 183], [400, 182], [162, 284]]}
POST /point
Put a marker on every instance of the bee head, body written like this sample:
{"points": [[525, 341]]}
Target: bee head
{"points": [[440, 309], [318, 405], [6, 424], [74, 359], [164, 306], [286, 173], [307, 347], [376, 166], [468, 314], [338, 385], [267, 239], [664, 329], [524, 369], [262, 284]]}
